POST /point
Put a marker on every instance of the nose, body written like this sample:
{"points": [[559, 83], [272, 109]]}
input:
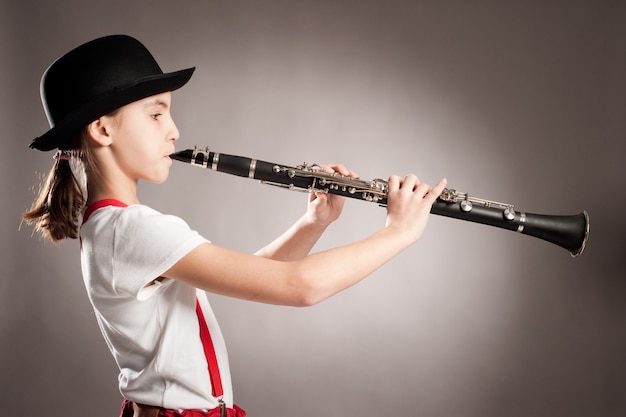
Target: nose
{"points": [[174, 133]]}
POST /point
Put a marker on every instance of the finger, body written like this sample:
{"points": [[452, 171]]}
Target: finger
{"points": [[410, 183], [320, 196], [422, 190], [352, 174], [330, 168], [436, 191], [315, 193], [393, 183], [340, 169]]}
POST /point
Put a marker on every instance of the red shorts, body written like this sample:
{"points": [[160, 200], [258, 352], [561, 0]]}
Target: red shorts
{"points": [[236, 411]]}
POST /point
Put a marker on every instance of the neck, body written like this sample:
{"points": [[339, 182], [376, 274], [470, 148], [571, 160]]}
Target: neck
{"points": [[101, 190], [108, 181]]}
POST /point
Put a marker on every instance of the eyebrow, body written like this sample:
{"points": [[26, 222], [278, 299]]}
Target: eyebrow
{"points": [[156, 102]]}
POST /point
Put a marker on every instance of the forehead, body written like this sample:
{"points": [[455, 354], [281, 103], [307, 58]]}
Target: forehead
{"points": [[159, 103], [159, 100], [162, 100]]}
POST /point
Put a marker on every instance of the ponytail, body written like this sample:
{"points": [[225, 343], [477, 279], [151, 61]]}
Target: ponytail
{"points": [[56, 213]]}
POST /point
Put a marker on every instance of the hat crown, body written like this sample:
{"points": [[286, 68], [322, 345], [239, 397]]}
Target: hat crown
{"points": [[95, 79], [93, 70]]}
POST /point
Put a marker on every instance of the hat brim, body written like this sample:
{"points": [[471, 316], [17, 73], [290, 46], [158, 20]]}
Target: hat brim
{"points": [[60, 135]]}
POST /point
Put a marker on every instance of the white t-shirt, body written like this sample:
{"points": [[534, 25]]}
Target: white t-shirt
{"points": [[151, 329]]}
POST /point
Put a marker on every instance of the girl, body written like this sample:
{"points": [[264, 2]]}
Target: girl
{"points": [[146, 273]]}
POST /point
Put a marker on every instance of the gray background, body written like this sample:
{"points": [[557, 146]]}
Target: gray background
{"points": [[521, 102]]}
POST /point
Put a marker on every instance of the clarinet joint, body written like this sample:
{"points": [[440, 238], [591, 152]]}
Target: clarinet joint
{"points": [[467, 203], [372, 191]]}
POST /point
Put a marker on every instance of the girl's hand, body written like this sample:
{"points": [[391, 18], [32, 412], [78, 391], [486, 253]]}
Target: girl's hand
{"points": [[409, 204], [324, 208]]}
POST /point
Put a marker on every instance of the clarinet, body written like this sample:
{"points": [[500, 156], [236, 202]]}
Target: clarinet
{"points": [[569, 232]]}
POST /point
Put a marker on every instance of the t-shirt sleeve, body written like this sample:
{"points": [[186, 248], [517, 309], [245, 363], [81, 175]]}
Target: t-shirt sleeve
{"points": [[147, 244]]}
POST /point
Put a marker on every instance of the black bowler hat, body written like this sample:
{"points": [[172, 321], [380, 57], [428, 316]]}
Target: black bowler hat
{"points": [[96, 78]]}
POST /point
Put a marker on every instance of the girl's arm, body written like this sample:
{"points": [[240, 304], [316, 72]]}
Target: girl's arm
{"points": [[299, 239], [313, 278]]}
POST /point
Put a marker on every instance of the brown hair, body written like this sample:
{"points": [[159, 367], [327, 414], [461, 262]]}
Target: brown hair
{"points": [[56, 213]]}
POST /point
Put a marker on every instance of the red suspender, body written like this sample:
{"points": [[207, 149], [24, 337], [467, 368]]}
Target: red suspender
{"points": [[100, 204], [209, 351]]}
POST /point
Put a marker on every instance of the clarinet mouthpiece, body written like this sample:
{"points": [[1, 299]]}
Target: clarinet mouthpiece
{"points": [[182, 156]]}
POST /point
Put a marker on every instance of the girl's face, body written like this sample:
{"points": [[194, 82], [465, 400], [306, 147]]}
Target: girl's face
{"points": [[143, 138]]}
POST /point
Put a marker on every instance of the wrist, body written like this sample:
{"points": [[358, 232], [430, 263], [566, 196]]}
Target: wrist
{"points": [[311, 222]]}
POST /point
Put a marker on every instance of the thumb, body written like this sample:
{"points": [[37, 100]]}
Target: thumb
{"points": [[318, 197]]}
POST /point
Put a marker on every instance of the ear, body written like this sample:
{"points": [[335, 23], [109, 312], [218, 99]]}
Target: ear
{"points": [[100, 131]]}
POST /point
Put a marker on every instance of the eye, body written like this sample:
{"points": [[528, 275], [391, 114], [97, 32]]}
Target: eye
{"points": [[155, 116]]}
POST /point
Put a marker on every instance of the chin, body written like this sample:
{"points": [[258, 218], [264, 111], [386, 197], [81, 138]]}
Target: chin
{"points": [[159, 179]]}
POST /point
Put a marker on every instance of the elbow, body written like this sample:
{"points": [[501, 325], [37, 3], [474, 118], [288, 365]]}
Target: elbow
{"points": [[308, 300], [308, 290]]}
